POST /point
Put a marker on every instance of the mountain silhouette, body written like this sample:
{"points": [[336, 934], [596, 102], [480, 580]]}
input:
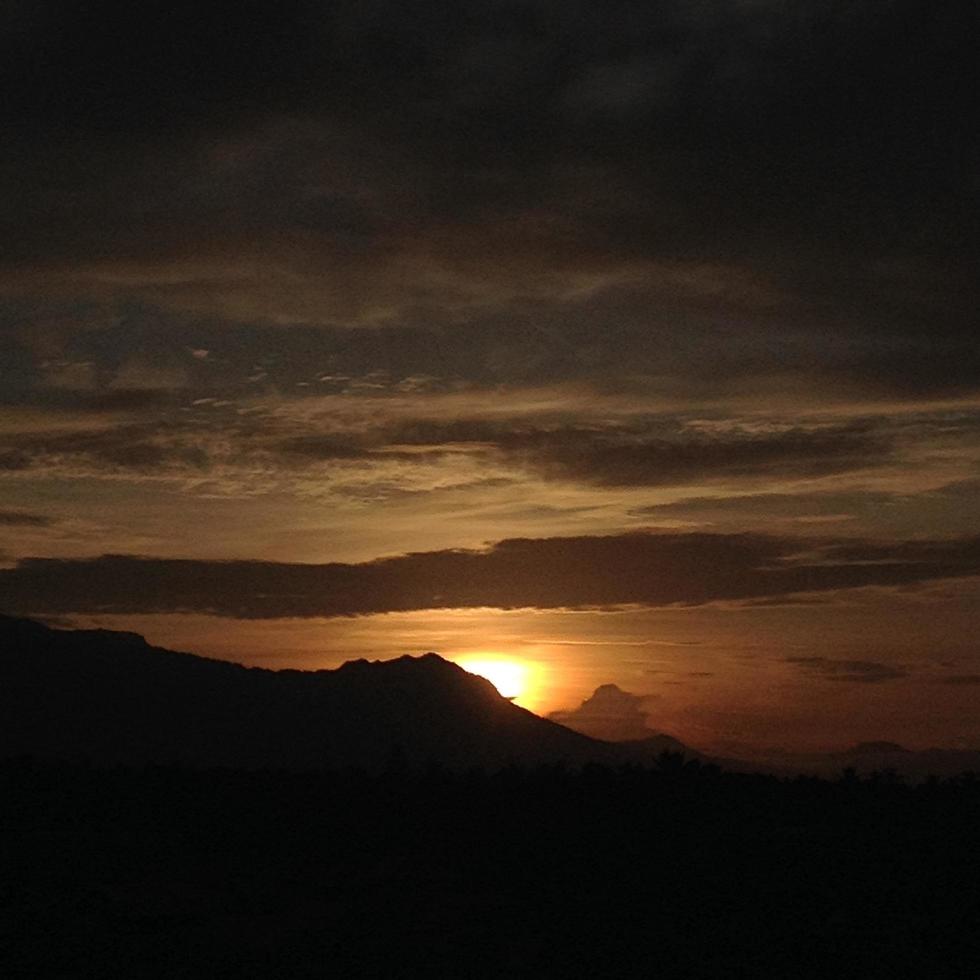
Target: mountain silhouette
{"points": [[874, 748], [110, 698], [869, 757]]}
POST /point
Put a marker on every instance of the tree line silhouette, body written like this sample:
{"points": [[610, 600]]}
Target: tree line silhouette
{"points": [[677, 869]]}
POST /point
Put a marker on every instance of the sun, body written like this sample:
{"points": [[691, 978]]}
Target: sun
{"points": [[509, 677]]}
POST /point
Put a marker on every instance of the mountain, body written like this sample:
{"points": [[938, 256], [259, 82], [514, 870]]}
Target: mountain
{"points": [[865, 749], [111, 698], [868, 757], [865, 759]]}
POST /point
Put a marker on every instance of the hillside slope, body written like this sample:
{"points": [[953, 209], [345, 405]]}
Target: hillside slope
{"points": [[111, 698]]}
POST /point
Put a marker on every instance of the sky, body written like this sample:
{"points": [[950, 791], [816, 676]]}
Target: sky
{"points": [[635, 341]]}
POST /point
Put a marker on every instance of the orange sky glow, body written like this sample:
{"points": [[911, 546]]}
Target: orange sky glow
{"points": [[634, 344]]}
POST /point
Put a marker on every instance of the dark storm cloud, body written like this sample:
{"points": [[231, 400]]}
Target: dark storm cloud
{"points": [[563, 443], [848, 671], [13, 460], [96, 401], [773, 505], [310, 450], [18, 518], [660, 452], [776, 602], [822, 149], [661, 462], [576, 572], [316, 448], [904, 551], [948, 509], [644, 452], [132, 449], [603, 339]]}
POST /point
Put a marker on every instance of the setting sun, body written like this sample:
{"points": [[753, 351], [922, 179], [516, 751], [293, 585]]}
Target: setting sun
{"points": [[509, 677]]}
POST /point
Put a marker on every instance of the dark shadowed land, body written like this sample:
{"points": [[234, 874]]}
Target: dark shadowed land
{"points": [[542, 872], [109, 698], [228, 847]]}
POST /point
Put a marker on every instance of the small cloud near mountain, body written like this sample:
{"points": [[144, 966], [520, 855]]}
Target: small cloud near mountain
{"points": [[611, 714]]}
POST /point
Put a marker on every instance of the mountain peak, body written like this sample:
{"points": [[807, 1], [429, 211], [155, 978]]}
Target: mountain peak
{"points": [[158, 706], [428, 665], [362, 663], [874, 748]]}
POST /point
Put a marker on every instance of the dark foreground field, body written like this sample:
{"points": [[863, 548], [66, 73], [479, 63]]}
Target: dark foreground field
{"points": [[673, 872]]}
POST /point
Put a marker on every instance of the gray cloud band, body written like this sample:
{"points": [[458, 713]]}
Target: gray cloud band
{"points": [[576, 572], [440, 158]]}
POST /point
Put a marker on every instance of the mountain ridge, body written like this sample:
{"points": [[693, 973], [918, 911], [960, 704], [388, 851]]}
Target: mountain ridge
{"points": [[112, 698]]}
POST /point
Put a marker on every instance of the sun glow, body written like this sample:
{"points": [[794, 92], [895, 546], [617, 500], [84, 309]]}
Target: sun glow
{"points": [[509, 677]]}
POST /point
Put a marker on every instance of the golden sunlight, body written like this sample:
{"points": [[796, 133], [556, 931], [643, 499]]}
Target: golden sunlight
{"points": [[509, 677]]}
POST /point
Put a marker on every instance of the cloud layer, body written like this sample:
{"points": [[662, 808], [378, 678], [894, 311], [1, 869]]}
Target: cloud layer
{"points": [[367, 163], [583, 572], [675, 302], [847, 671]]}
